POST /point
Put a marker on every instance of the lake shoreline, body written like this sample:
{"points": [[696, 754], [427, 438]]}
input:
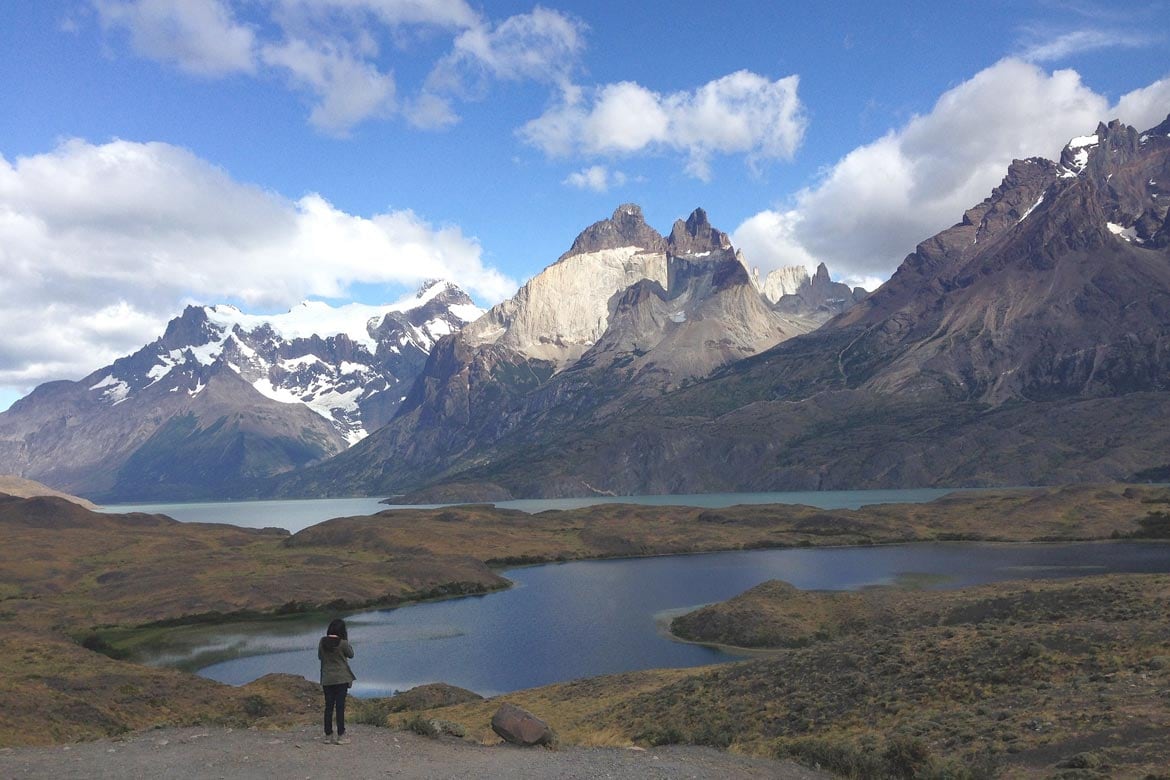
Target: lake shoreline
{"points": [[119, 638], [89, 572]]}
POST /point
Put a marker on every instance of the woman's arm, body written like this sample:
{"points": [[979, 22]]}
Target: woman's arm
{"points": [[347, 648]]}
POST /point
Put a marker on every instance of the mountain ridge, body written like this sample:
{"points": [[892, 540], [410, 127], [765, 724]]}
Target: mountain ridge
{"points": [[223, 397], [1026, 344], [609, 324]]}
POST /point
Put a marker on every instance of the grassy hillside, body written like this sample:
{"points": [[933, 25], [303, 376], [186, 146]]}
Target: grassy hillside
{"points": [[1055, 679], [78, 589]]}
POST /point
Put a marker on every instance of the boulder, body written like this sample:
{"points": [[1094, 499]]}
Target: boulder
{"points": [[521, 727]]}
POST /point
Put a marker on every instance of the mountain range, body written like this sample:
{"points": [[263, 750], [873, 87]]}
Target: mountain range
{"points": [[223, 398], [1026, 344], [1029, 343]]}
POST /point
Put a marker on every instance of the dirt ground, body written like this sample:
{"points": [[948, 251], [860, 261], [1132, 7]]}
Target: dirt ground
{"points": [[300, 754]]}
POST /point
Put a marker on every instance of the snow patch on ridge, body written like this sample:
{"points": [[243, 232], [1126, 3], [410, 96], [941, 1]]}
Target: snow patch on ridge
{"points": [[1077, 162], [1032, 207], [116, 390], [1127, 233]]}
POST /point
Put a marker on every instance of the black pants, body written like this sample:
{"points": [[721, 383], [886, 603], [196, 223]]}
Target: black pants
{"points": [[335, 699]]}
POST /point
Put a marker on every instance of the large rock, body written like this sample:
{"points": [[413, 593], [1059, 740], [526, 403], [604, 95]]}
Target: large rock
{"points": [[521, 727]]}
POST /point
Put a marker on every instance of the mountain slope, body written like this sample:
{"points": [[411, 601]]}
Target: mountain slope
{"points": [[223, 397], [1029, 343], [625, 315]]}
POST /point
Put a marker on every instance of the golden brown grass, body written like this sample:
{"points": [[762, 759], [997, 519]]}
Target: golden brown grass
{"points": [[1012, 679], [69, 576]]}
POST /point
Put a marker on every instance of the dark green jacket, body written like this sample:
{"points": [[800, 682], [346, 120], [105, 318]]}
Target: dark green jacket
{"points": [[332, 652]]}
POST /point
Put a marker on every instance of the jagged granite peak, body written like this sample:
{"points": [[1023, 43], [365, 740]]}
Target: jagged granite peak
{"points": [[588, 336], [784, 281], [627, 227], [695, 236], [562, 311], [818, 298]]}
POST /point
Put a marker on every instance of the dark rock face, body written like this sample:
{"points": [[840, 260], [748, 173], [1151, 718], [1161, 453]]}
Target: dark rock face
{"points": [[1039, 293], [520, 727], [696, 235], [627, 227]]}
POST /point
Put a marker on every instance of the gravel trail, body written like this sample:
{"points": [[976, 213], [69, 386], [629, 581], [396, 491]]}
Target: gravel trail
{"points": [[300, 754]]}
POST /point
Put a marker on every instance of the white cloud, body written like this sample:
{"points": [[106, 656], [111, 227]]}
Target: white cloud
{"points": [[542, 46], [742, 113], [101, 244], [876, 203], [199, 36], [596, 177], [1063, 45], [1146, 107], [440, 13], [349, 89], [337, 51], [430, 112]]}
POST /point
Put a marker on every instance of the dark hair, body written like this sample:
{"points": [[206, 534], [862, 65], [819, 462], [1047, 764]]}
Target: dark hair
{"points": [[337, 628]]}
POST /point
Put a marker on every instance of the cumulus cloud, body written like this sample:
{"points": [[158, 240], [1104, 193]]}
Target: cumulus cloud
{"points": [[596, 177], [341, 53], [541, 46], [1146, 107], [877, 202], [199, 36], [742, 113], [102, 244], [348, 89]]}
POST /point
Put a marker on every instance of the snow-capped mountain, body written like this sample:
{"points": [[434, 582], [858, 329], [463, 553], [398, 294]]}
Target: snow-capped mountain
{"points": [[223, 396], [351, 364]]}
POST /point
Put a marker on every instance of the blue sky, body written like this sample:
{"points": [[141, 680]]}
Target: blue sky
{"points": [[159, 152]]}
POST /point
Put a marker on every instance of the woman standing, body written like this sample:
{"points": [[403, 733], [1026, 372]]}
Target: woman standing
{"points": [[336, 677]]}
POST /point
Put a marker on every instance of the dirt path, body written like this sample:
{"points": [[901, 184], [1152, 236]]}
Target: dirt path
{"points": [[299, 754]]}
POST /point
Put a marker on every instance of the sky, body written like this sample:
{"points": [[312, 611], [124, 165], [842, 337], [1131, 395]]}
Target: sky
{"points": [[160, 153]]}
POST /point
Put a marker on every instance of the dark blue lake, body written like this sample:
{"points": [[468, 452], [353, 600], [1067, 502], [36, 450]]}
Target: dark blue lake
{"points": [[565, 621]]}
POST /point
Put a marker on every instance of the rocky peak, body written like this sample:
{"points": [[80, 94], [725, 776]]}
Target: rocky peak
{"points": [[784, 281], [627, 227], [1161, 130], [191, 328], [815, 297], [695, 236]]}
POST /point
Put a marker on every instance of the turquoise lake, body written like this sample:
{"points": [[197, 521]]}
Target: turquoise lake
{"points": [[295, 514]]}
